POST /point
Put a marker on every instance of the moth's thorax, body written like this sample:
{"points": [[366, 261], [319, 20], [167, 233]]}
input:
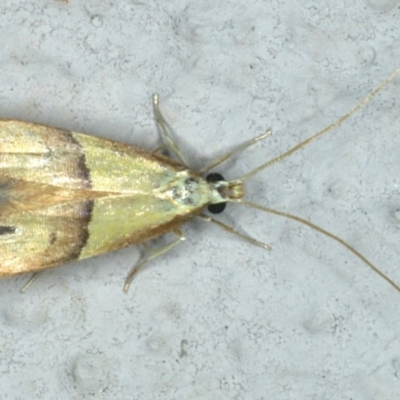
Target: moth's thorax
{"points": [[191, 191]]}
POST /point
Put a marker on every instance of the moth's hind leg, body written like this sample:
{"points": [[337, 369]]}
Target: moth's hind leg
{"points": [[29, 283], [150, 255], [166, 136]]}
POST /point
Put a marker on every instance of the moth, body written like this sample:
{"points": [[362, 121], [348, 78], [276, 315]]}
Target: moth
{"points": [[67, 196]]}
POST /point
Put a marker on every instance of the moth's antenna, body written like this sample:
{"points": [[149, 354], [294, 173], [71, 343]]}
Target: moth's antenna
{"points": [[323, 231], [275, 160], [299, 146], [332, 126]]}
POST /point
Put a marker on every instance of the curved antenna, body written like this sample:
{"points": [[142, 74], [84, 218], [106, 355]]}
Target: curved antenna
{"points": [[299, 146], [332, 126], [323, 231]]}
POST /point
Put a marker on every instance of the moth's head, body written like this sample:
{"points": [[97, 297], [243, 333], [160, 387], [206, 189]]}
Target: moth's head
{"points": [[226, 191]]}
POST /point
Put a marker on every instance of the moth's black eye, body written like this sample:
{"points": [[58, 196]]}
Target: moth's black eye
{"points": [[215, 208], [214, 177]]}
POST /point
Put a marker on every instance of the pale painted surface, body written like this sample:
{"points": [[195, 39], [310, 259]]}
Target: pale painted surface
{"points": [[218, 318]]}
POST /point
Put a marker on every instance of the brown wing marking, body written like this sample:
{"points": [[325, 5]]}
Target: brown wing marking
{"points": [[43, 238], [44, 204], [38, 153]]}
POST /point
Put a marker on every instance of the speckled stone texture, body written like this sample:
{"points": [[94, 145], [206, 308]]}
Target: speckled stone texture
{"points": [[218, 318]]}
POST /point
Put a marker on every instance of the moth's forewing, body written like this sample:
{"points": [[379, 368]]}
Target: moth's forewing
{"points": [[67, 196]]}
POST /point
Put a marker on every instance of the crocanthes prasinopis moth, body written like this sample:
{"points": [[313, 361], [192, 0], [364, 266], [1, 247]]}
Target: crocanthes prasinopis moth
{"points": [[66, 196]]}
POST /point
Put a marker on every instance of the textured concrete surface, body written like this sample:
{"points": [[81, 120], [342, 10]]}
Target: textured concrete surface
{"points": [[218, 318]]}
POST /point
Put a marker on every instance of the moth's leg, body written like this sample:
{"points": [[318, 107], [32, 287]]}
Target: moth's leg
{"points": [[235, 151], [168, 141], [29, 283], [159, 150], [152, 254], [227, 228]]}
